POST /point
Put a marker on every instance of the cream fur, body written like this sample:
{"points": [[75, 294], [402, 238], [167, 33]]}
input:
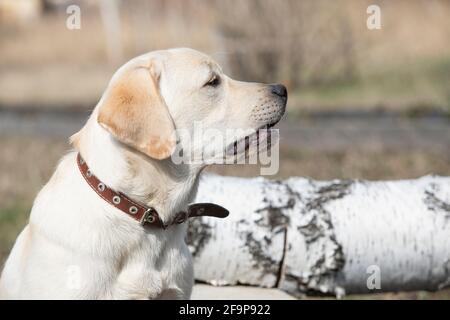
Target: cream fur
{"points": [[77, 246]]}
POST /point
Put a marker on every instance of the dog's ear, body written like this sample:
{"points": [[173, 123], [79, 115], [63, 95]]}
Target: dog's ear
{"points": [[135, 113]]}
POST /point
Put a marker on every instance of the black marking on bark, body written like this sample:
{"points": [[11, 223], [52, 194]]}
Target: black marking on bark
{"points": [[197, 236], [272, 217], [275, 217], [318, 231], [306, 290], [333, 191], [260, 259], [282, 267], [446, 283], [434, 203]]}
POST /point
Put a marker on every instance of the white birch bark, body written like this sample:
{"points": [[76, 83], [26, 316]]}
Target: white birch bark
{"points": [[325, 237]]}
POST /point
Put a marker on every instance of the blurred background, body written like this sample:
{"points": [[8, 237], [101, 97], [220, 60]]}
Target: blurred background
{"points": [[364, 104]]}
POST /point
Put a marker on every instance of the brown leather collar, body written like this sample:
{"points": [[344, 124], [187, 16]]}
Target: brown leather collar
{"points": [[142, 213]]}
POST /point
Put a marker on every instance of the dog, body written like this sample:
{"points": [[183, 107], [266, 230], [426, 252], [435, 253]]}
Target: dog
{"points": [[79, 246]]}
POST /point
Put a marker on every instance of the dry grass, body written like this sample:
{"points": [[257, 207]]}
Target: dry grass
{"points": [[27, 164], [322, 48], [373, 164]]}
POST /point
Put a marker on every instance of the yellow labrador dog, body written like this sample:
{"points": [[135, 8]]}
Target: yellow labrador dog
{"points": [[80, 242]]}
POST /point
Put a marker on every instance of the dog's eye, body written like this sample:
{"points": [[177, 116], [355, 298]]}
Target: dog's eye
{"points": [[213, 82]]}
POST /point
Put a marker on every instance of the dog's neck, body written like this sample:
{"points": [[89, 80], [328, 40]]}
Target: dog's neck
{"points": [[156, 183]]}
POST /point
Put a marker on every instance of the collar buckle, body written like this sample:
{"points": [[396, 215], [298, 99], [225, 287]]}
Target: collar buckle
{"points": [[148, 217]]}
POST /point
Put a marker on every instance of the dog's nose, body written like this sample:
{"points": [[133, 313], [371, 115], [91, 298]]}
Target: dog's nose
{"points": [[279, 90]]}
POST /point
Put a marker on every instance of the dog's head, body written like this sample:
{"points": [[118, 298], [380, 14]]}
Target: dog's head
{"points": [[155, 100]]}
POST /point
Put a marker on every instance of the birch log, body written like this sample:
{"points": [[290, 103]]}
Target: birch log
{"points": [[333, 237]]}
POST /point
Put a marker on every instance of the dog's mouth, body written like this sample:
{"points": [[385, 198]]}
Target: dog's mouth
{"points": [[260, 137]]}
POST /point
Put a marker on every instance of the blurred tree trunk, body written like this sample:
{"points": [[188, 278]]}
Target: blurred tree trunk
{"points": [[109, 11], [327, 237]]}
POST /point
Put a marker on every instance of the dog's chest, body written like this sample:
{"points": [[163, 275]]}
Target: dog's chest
{"points": [[160, 263]]}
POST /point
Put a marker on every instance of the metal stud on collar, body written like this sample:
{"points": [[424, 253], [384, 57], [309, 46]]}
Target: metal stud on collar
{"points": [[133, 210], [101, 187], [88, 173], [116, 199]]}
